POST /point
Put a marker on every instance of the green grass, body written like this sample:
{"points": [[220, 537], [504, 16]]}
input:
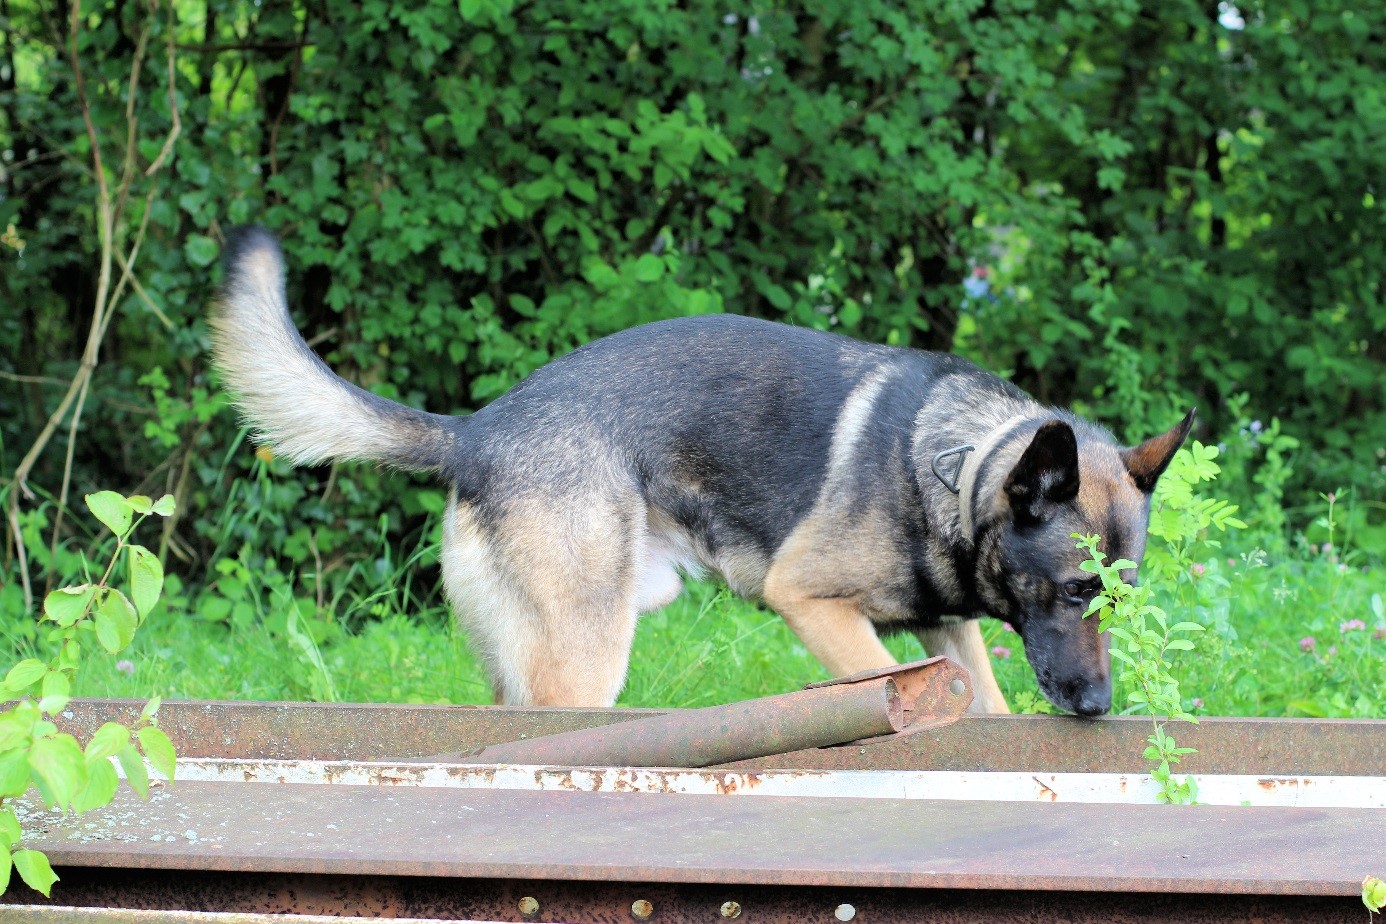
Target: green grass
{"points": [[710, 647]]}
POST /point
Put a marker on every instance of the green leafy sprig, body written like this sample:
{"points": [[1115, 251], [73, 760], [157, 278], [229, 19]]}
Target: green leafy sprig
{"points": [[32, 750], [1142, 638]]}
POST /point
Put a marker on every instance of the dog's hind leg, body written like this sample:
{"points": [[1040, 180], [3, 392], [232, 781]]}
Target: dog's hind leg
{"points": [[548, 597], [962, 642]]}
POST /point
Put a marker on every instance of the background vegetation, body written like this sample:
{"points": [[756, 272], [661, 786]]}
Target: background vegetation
{"points": [[1125, 207]]}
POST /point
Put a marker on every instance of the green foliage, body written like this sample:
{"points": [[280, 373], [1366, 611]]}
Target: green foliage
{"points": [[1181, 518], [1373, 894], [1169, 206], [32, 750], [1143, 637]]}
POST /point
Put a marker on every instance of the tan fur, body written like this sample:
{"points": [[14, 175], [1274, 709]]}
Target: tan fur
{"points": [[548, 597]]}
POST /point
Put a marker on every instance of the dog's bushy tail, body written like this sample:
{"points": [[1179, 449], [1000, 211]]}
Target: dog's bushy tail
{"points": [[298, 406]]}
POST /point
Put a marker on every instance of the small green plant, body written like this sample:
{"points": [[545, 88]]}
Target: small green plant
{"points": [[32, 750], [1373, 895], [1142, 639]]}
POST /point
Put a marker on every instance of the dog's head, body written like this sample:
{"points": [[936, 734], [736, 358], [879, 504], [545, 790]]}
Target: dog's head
{"points": [[1067, 482]]}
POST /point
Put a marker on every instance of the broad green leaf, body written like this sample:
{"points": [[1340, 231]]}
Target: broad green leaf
{"points": [[159, 750], [107, 741], [115, 621], [151, 709], [66, 604], [24, 675], [1374, 894], [164, 506], [139, 503], [648, 268], [146, 579], [59, 768], [14, 772], [110, 508], [34, 870], [200, 250], [100, 789], [5, 865], [56, 692], [10, 832], [136, 773]]}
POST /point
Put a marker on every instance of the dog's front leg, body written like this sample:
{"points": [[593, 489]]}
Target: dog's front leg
{"points": [[834, 630], [962, 642]]}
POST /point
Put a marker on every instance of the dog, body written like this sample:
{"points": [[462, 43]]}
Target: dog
{"points": [[857, 489]]}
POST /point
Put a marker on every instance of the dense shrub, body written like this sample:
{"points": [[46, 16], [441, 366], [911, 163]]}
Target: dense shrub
{"points": [[1171, 202]]}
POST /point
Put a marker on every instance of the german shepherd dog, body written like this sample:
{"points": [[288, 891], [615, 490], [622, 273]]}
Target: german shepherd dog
{"points": [[854, 488]]}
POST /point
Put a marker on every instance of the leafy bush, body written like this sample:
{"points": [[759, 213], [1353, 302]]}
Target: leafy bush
{"points": [[1171, 202]]}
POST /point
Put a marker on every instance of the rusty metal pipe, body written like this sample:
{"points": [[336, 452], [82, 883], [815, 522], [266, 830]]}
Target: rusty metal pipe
{"points": [[870, 705]]}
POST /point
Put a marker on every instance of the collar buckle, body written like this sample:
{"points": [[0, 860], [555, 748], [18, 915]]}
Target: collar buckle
{"points": [[950, 481]]}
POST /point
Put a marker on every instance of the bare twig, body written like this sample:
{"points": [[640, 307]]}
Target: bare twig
{"points": [[32, 379], [144, 297], [177, 127], [109, 213]]}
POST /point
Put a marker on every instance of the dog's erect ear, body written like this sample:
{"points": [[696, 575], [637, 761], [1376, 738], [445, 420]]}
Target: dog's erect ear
{"points": [[1148, 461], [1046, 474]]}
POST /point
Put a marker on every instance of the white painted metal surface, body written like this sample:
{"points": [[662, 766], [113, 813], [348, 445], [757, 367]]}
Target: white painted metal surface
{"points": [[1301, 791]]}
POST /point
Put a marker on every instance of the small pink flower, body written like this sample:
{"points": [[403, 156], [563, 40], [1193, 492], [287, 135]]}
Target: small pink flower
{"points": [[1001, 651], [1307, 643], [1380, 632], [1332, 649], [1008, 627], [126, 667], [1352, 625], [1197, 703], [1197, 569], [1327, 548], [1231, 562]]}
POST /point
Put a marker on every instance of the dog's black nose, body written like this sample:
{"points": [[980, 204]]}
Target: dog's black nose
{"points": [[1083, 696], [1094, 699]]}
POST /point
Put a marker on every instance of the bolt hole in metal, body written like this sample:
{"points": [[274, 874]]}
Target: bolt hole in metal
{"points": [[529, 906], [957, 687], [844, 911], [731, 910], [641, 909]]}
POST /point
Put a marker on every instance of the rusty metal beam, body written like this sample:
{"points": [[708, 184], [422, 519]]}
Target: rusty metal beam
{"points": [[97, 896], [770, 840], [1060, 744], [899, 700]]}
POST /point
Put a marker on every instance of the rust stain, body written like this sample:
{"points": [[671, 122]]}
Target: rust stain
{"points": [[1053, 796]]}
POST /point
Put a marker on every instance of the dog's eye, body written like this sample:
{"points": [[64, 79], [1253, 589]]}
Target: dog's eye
{"points": [[1078, 591]]}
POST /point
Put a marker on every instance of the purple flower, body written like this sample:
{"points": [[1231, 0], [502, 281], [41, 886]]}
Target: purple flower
{"points": [[1380, 632], [1307, 643], [1197, 703], [1001, 651], [126, 667], [1197, 569], [1352, 625], [1332, 649]]}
